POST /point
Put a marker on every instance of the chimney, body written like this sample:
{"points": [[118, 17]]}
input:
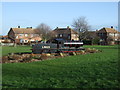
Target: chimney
{"points": [[68, 27], [29, 27], [111, 26], [57, 28], [103, 27], [18, 26]]}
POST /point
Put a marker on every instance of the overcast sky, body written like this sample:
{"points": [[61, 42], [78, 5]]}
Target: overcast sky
{"points": [[58, 14]]}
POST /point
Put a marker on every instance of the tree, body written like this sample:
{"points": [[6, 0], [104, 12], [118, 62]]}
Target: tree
{"points": [[92, 37], [81, 26], [44, 31]]}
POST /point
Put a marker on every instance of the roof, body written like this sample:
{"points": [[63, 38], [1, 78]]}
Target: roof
{"points": [[73, 31], [108, 30], [24, 30], [65, 30], [6, 36]]}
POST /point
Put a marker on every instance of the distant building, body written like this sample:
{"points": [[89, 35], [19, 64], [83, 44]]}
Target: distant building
{"points": [[65, 33], [23, 35], [4, 39], [108, 36]]}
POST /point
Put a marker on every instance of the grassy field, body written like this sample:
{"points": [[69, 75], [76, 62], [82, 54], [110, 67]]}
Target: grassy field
{"points": [[17, 49], [98, 70]]}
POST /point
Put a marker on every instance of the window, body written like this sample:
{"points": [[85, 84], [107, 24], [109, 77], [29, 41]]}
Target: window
{"points": [[100, 34], [21, 40], [16, 37], [26, 35], [21, 34], [111, 34], [68, 36], [61, 35], [116, 34], [101, 40], [56, 35], [25, 40]]}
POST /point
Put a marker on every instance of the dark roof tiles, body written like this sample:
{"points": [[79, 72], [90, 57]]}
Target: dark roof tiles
{"points": [[65, 30]]}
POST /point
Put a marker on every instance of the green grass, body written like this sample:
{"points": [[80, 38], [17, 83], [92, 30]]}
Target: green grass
{"points": [[98, 70], [10, 49]]}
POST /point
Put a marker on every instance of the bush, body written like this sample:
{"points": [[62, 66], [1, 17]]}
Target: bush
{"points": [[87, 42], [95, 41]]}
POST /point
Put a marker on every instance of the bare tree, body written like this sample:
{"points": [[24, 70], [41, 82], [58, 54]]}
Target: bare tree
{"points": [[44, 31], [81, 26]]}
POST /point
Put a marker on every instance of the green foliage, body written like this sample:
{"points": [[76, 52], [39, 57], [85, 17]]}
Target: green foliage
{"points": [[96, 41], [98, 70], [87, 42]]}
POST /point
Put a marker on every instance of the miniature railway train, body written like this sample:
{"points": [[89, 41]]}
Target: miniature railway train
{"points": [[57, 47]]}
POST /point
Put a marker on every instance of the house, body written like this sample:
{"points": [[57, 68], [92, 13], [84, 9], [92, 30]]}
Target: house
{"points": [[108, 36], [65, 33], [23, 35], [4, 39]]}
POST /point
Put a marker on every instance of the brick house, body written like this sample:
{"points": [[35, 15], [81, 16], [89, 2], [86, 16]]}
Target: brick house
{"points": [[23, 35], [65, 33], [108, 36]]}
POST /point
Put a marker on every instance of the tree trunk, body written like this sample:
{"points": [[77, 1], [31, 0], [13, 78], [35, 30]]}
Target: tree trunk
{"points": [[79, 34]]}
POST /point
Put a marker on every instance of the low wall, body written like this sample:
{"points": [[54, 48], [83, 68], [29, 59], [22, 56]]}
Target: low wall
{"points": [[6, 44]]}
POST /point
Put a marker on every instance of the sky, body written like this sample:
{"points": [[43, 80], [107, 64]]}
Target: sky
{"points": [[58, 14]]}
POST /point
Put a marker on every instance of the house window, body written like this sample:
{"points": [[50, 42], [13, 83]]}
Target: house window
{"points": [[101, 40], [99, 34], [61, 35], [102, 34], [68, 36], [21, 34], [16, 37], [21, 40], [26, 35], [56, 35], [25, 40], [116, 34], [111, 34]]}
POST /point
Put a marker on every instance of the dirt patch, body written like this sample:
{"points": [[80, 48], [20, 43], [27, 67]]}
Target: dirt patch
{"points": [[26, 58]]}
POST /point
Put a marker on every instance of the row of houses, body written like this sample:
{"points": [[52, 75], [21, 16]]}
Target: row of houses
{"points": [[29, 35], [23, 35]]}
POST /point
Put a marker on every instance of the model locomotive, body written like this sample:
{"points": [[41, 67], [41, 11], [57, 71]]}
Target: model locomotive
{"points": [[71, 46]]}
